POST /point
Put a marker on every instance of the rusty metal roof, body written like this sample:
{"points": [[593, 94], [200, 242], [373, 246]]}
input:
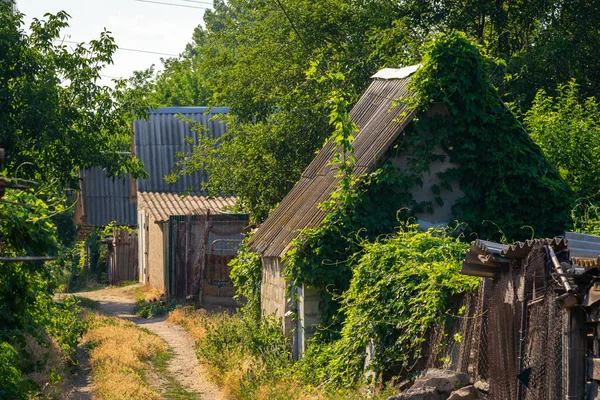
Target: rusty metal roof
{"points": [[161, 206], [380, 122]]}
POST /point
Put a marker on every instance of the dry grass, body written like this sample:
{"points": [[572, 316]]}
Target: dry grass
{"points": [[149, 294], [194, 321], [232, 370], [239, 364], [121, 356], [51, 360]]}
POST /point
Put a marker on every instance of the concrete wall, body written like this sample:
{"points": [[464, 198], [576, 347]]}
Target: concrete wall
{"points": [[310, 318], [441, 214], [272, 292], [156, 263]]}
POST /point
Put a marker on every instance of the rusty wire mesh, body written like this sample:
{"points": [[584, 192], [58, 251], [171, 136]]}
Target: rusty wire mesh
{"points": [[525, 332], [511, 331]]}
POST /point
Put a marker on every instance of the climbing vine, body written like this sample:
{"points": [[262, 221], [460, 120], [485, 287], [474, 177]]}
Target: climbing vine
{"points": [[508, 187], [506, 180], [401, 287]]}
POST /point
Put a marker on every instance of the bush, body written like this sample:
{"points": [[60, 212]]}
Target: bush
{"points": [[12, 383], [246, 276], [401, 287], [244, 354]]}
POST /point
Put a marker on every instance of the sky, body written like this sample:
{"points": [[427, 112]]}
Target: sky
{"points": [[134, 25]]}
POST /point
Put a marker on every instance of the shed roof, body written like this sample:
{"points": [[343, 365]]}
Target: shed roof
{"points": [[106, 199], [486, 259], [161, 206], [380, 122], [163, 135]]}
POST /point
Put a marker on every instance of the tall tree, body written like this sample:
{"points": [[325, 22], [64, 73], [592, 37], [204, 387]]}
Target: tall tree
{"points": [[54, 114], [253, 56]]}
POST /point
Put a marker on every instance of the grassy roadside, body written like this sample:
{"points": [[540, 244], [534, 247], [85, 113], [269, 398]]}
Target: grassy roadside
{"points": [[128, 362], [252, 361]]}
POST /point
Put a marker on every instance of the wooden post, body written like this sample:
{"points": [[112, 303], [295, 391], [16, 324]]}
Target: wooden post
{"points": [[574, 352], [203, 254]]}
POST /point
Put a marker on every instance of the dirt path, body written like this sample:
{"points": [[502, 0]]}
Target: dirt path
{"points": [[184, 366]]}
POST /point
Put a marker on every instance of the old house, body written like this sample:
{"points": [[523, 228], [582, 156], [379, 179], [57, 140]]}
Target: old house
{"points": [[185, 238], [382, 123], [104, 200]]}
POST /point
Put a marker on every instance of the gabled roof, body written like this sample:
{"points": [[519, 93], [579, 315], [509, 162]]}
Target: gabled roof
{"points": [[161, 206], [380, 122], [163, 135]]}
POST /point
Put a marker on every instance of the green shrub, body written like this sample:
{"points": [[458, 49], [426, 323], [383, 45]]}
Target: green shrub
{"points": [[246, 276], [12, 383], [401, 287]]}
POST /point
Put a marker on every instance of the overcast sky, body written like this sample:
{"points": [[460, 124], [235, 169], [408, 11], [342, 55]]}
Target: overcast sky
{"points": [[134, 25]]}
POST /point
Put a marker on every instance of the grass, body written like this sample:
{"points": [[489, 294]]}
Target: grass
{"points": [[121, 356], [251, 360], [150, 302]]}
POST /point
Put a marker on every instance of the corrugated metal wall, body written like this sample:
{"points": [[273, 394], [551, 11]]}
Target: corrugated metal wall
{"points": [[162, 136], [107, 199]]}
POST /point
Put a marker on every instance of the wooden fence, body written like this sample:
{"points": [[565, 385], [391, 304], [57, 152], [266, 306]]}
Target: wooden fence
{"points": [[123, 257]]}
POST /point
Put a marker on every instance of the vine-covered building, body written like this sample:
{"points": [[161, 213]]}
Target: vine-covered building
{"points": [[466, 160], [380, 121]]}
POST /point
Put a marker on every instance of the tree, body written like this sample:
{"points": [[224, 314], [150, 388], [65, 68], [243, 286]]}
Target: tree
{"points": [[567, 128], [54, 114], [54, 119], [253, 56]]}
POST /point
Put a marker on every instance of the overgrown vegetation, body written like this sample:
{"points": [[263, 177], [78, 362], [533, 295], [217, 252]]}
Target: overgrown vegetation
{"points": [[251, 359], [279, 113], [392, 290], [29, 318], [55, 119], [401, 287], [505, 178]]}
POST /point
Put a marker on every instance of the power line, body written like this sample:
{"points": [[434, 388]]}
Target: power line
{"points": [[198, 2], [127, 49], [292, 24], [172, 4]]}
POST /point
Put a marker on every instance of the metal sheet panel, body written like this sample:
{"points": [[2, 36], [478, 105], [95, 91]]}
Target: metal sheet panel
{"points": [[380, 122], [583, 245], [163, 135], [107, 199]]}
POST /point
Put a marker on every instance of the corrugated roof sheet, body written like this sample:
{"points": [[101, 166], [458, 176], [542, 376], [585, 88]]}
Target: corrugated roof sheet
{"points": [[161, 206], [380, 122], [107, 199], [583, 245], [486, 259], [521, 249], [162, 136]]}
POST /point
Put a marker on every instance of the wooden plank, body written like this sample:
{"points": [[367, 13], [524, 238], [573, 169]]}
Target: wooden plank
{"points": [[574, 352]]}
